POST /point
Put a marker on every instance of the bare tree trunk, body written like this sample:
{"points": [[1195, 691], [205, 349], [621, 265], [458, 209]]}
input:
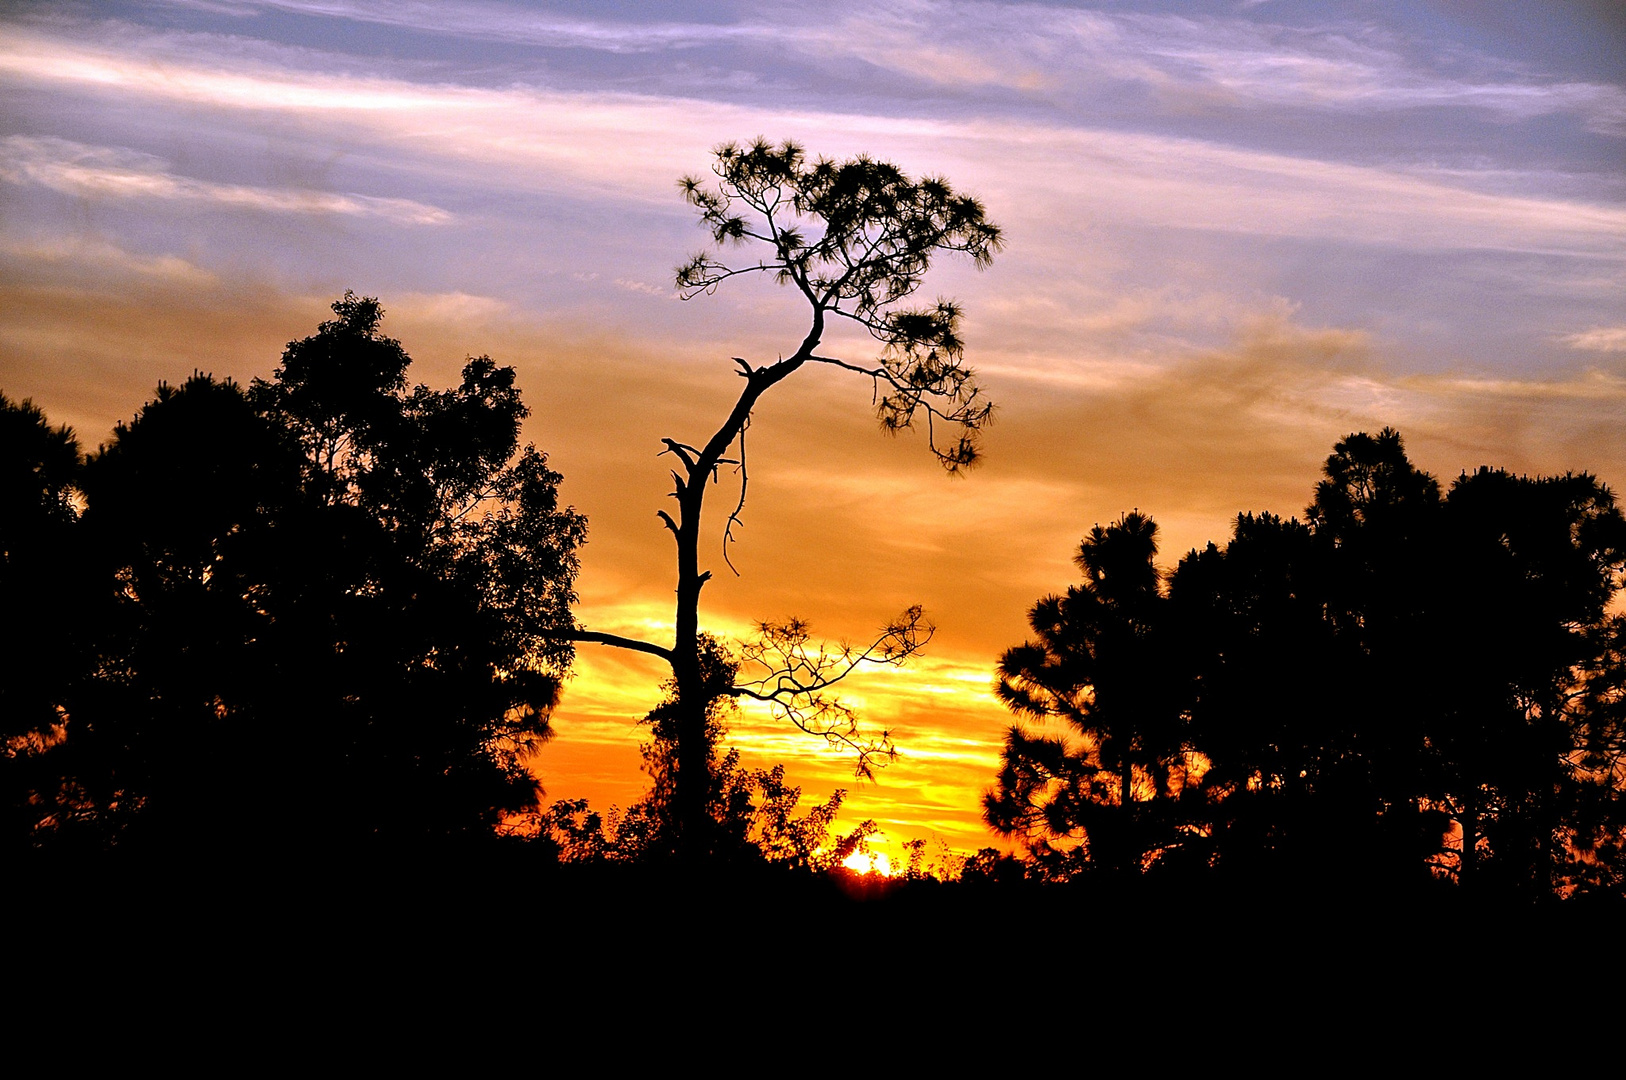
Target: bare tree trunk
{"points": [[693, 777], [692, 785]]}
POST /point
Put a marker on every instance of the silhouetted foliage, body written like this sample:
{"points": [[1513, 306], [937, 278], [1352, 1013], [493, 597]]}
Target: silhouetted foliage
{"points": [[1101, 664], [1410, 682], [326, 607], [853, 240], [750, 813], [43, 601], [753, 820]]}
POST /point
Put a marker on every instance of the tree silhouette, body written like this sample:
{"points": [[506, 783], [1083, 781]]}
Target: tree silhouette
{"points": [[1592, 852], [1538, 561], [43, 601], [1469, 618], [1101, 663], [750, 811], [853, 240], [327, 608], [1410, 683], [1273, 699]]}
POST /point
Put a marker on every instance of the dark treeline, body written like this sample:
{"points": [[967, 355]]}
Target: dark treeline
{"points": [[329, 612], [1409, 684]]}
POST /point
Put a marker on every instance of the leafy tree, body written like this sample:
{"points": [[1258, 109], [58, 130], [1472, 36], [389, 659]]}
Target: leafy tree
{"points": [[329, 604], [1469, 619], [1538, 561], [1100, 662], [853, 240], [1313, 686], [1409, 682], [1381, 520], [1592, 849], [1271, 701], [754, 812], [179, 507], [42, 601]]}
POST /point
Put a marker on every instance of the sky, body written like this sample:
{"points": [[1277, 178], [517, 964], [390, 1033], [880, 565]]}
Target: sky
{"points": [[1235, 233]]}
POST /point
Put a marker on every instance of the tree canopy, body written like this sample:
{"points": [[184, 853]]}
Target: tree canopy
{"points": [[322, 605], [1410, 682], [1100, 663], [855, 239]]}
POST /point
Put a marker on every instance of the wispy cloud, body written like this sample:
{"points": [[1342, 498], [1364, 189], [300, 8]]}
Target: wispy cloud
{"points": [[1193, 62], [1185, 62], [1598, 339], [645, 287], [532, 139], [506, 23], [114, 173], [89, 254]]}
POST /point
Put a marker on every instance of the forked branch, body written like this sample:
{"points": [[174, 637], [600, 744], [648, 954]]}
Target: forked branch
{"points": [[797, 677]]}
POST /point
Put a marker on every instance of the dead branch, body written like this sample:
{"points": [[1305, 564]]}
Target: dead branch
{"points": [[797, 677]]}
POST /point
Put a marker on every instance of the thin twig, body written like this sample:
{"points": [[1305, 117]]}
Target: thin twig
{"points": [[734, 517]]}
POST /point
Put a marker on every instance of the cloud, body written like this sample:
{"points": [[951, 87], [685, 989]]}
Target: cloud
{"points": [[456, 308], [1186, 61], [87, 254], [1066, 176], [1190, 62], [114, 173], [1598, 339], [499, 22], [646, 288], [532, 140]]}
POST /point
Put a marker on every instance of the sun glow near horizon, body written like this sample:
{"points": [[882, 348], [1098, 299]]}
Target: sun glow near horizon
{"points": [[941, 711], [869, 863]]}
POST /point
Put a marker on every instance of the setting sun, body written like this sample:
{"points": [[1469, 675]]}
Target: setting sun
{"points": [[874, 862]]}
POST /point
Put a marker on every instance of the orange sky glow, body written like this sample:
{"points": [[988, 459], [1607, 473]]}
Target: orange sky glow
{"points": [[1234, 236]]}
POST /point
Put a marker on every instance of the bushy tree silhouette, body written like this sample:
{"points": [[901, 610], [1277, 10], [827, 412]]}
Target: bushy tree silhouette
{"points": [[327, 608], [1411, 682], [1101, 794], [1536, 563], [853, 240], [1276, 699], [43, 603]]}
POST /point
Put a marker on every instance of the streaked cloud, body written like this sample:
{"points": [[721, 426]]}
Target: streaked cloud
{"points": [[1598, 339], [102, 172], [647, 289], [508, 23], [1046, 174], [1188, 61], [82, 255]]}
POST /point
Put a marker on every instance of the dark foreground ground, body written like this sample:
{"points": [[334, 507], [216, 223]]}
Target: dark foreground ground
{"points": [[469, 962], [505, 917]]}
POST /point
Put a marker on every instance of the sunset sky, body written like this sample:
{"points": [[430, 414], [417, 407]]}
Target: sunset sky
{"points": [[1236, 232]]}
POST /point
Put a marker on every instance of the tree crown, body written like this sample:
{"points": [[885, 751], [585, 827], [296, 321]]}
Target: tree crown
{"points": [[856, 238]]}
